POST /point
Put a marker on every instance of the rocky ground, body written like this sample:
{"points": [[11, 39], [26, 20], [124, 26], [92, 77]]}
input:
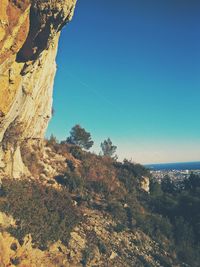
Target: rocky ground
{"points": [[95, 239], [92, 243]]}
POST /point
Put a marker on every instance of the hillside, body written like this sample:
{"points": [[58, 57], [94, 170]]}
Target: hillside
{"points": [[80, 209], [84, 214]]}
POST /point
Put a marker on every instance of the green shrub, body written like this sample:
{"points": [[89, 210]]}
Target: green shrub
{"points": [[15, 261], [31, 156], [44, 212], [156, 226], [118, 212], [119, 227], [98, 187], [129, 174], [101, 246], [144, 262], [155, 188], [164, 260], [188, 254], [52, 142], [88, 254], [70, 165], [72, 181], [76, 152]]}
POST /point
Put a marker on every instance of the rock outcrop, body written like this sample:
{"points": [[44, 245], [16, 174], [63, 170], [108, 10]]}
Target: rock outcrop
{"points": [[145, 184], [29, 33]]}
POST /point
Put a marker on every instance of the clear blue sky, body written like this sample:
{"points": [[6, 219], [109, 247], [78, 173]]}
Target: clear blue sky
{"points": [[130, 70]]}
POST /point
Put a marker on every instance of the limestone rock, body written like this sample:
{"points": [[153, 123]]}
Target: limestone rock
{"points": [[145, 184], [113, 255], [29, 33]]}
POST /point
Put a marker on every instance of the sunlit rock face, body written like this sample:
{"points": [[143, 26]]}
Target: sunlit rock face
{"points": [[145, 184], [29, 33]]}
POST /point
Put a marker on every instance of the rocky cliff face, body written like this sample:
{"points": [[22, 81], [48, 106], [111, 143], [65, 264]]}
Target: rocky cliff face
{"points": [[29, 33]]}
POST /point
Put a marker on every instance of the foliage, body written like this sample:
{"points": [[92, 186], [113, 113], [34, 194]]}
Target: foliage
{"points": [[192, 183], [181, 207], [157, 226], [118, 212], [76, 152], [15, 261], [52, 141], [99, 173], [129, 174], [99, 187], [12, 134], [108, 148], [88, 254], [79, 136], [31, 156], [44, 212], [167, 185], [73, 182], [155, 188], [164, 261], [120, 227], [101, 246], [70, 165]]}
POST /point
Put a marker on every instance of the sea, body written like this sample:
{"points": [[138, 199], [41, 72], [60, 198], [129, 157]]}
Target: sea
{"points": [[174, 166]]}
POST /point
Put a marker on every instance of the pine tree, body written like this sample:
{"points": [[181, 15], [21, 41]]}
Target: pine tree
{"points": [[79, 136], [108, 148]]}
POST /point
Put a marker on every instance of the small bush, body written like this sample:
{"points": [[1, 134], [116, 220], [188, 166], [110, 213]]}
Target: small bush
{"points": [[129, 174], [164, 260], [13, 246], [31, 156], [15, 261], [101, 246], [72, 181], [155, 226], [70, 165], [88, 254], [99, 187], [119, 227], [118, 212], [144, 262], [76, 152]]}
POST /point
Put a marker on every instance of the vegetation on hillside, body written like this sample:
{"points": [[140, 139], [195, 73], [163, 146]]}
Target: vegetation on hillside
{"points": [[42, 211], [169, 213], [179, 203]]}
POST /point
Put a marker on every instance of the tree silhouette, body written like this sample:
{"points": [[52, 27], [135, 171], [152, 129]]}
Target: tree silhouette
{"points": [[79, 136], [108, 148]]}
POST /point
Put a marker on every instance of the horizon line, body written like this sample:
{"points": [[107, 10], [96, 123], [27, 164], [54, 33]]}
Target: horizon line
{"points": [[175, 162]]}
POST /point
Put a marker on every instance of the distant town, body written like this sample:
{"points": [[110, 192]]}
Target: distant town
{"points": [[176, 171], [175, 175]]}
